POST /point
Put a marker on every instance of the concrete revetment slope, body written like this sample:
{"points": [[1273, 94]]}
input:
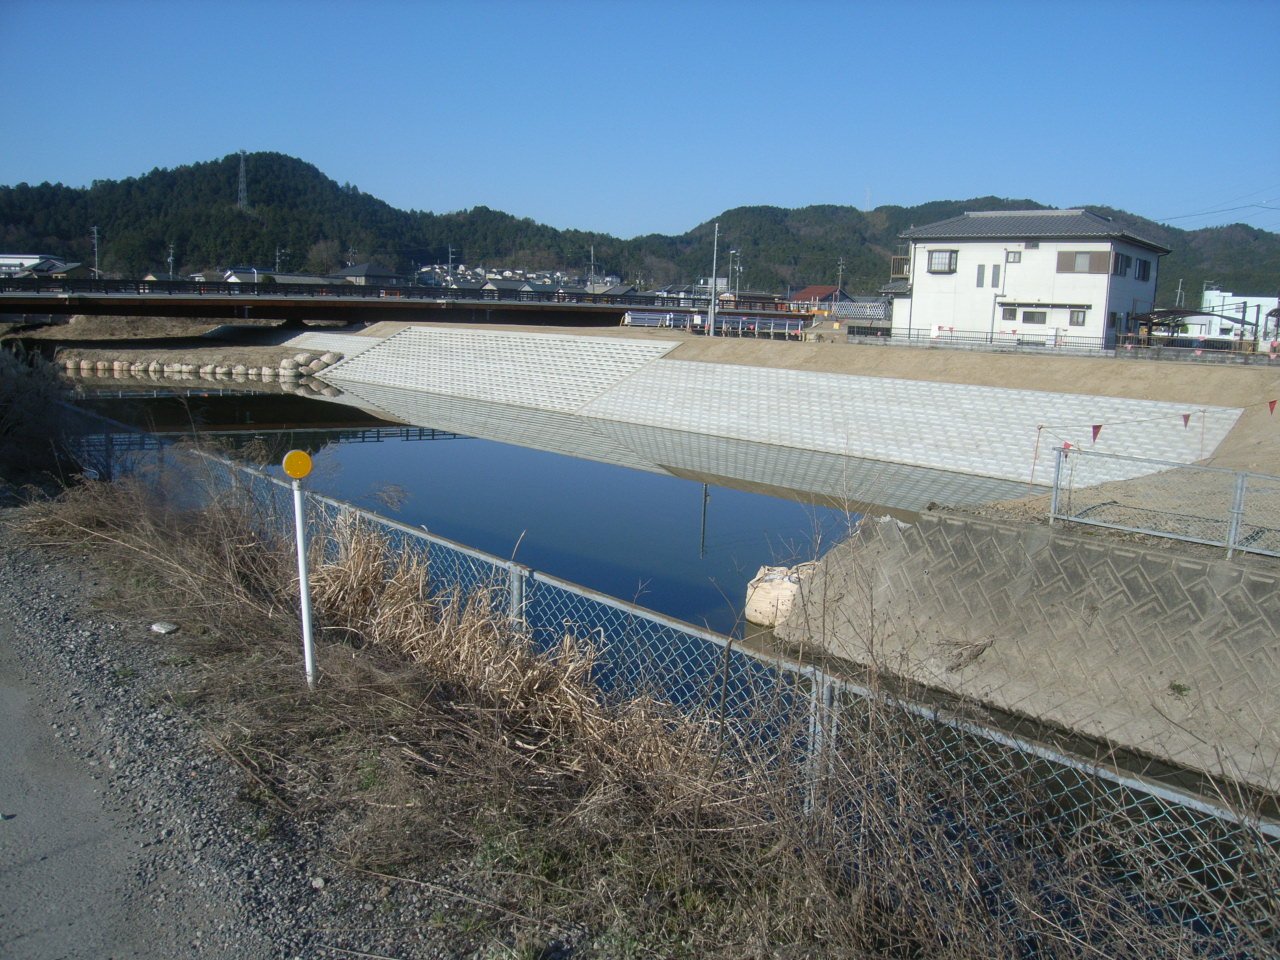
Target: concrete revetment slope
{"points": [[1148, 650], [976, 430]]}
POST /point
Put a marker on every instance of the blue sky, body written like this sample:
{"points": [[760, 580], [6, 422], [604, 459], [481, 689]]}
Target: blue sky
{"points": [[652, 117]]}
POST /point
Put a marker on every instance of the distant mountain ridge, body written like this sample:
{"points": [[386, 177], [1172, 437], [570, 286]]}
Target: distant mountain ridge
{"points": [[303, 220]]}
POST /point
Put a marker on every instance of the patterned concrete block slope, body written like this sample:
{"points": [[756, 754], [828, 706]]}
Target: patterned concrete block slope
{"points": [[347, 344], [542, 371], [988, 431], [1148, 650], [993, 432]]}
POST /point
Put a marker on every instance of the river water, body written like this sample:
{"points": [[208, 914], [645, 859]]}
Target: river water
{"points": [[684, 546]]}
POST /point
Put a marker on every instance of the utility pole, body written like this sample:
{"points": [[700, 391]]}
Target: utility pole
{"points": [[840, 278], [279, 252], [242, 195], [171, 261], [451, 263], [96, 272]]}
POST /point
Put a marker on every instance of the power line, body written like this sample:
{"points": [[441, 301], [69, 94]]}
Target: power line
{"points": [[1205, 213]]}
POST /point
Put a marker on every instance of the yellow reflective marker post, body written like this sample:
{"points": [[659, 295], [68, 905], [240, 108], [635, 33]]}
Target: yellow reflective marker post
{"points": [[297, 464]]}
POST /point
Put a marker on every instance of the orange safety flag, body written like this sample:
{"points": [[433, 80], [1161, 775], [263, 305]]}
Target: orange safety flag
{"points": [[1272, 405], [1186, 420], [1097, 429]]}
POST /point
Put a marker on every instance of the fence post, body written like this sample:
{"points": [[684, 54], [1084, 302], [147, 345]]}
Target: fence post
{"points": [[821, 731], [517, 574], [1237, 513], [1057, 483]]}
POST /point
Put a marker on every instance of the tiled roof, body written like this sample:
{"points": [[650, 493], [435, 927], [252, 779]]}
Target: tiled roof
{"points": [[813, 293], [1028, 225]]}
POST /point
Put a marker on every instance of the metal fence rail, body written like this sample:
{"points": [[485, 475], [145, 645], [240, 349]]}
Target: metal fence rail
{"points": [[987, 800], [1223, 508]]}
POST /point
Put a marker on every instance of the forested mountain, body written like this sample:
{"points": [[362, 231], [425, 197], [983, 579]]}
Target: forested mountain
{"points": [[311, 223]]}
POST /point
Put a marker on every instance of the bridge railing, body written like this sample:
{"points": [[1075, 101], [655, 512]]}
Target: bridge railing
{"points": [[350, 291]]}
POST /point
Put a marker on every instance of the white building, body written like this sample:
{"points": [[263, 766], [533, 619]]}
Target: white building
{"points": [[1038, 275], [1241, 316]]}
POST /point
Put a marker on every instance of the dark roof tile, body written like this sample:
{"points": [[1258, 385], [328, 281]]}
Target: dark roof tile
{"points": [[1028, 225]]}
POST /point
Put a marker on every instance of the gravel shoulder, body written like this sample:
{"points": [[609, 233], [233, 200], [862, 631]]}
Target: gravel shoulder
{"points": [[124, 832]]}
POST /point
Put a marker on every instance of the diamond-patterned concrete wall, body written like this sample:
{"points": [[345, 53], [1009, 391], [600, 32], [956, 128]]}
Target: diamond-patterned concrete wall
{"points": [[1171, 656], [992, 432]]}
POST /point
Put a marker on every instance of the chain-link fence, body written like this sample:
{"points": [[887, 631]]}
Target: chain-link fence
{"points": [[1013, 821], [1224, 508]]}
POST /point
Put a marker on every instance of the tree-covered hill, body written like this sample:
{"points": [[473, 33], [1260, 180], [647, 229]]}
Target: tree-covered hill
{"points": [[303, 220]]}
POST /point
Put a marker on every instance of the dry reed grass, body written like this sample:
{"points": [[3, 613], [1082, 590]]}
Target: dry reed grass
{"points": [[439, 739]]}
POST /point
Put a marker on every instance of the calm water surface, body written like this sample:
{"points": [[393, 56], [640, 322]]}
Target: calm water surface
{"points": [[624, 532], [666, 543]]}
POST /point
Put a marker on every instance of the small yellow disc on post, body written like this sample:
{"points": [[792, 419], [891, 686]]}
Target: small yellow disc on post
{"points": [[297, 464]]}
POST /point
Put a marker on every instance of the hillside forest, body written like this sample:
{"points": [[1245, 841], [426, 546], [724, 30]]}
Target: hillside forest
{"points": [[299, 220]]}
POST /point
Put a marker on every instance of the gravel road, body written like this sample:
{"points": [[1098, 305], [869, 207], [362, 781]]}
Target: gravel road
{"points": [[122, 832]]}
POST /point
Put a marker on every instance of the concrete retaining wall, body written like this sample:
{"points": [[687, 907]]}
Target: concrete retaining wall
{"points": [[1152, 650]]}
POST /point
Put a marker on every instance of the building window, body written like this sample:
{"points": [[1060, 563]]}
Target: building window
{"points": [[1087, 261], [1121, 266], [1035, 316], [1013, 256], [1009, 315], [982, 273], [943, 261], [1143, 271], [995, 275], [1077, 318]]}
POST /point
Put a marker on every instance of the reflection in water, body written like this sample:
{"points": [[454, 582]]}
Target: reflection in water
{"points": [[674, 521]]}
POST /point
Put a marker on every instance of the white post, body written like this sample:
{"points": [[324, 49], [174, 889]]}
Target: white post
{"points": [[304, 589], [711, 306]]}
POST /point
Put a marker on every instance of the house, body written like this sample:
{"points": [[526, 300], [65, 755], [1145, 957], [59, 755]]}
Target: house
{"points": [[72, 271], [13, 264], [43, 268], [367, 275], [819, 295], [618, 290], [1040, 276], [506, 289]]}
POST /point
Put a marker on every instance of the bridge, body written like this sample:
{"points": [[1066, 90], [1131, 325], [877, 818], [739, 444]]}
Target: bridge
{"points": [[349, 302]]}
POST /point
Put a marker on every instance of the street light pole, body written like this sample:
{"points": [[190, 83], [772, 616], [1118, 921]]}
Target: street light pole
{"points": [[711, 306]]}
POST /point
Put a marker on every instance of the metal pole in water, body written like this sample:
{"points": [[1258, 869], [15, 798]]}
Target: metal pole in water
{"points": [[297, 464]]}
